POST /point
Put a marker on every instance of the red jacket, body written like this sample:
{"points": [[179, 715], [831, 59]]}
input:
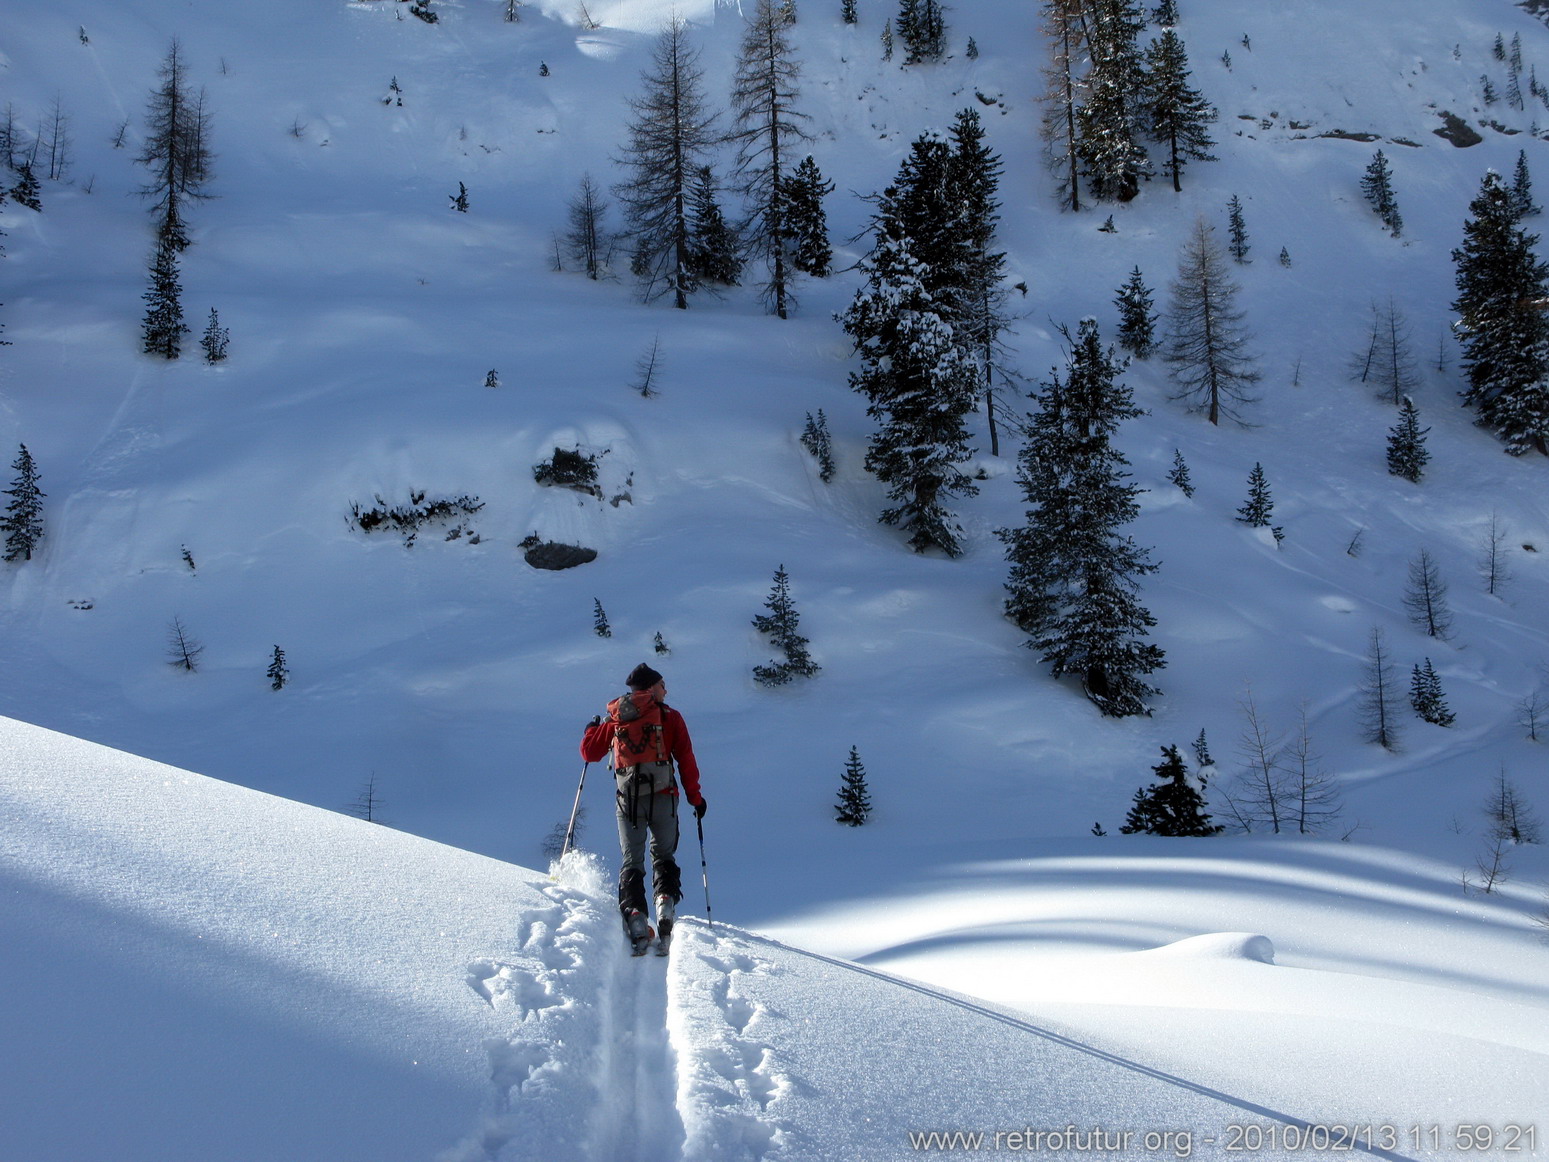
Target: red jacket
{"points": [[598, 741]]}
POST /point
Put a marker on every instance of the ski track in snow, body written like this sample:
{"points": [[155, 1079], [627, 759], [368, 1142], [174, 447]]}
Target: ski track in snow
{"points": [[586, 1071]]}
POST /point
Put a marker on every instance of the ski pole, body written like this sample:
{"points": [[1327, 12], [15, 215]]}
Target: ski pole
{"points": [[574, 811], [704, 869]]}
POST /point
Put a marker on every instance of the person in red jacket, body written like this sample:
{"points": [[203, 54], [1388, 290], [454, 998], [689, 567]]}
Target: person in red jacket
{"points": [[648, 742]]}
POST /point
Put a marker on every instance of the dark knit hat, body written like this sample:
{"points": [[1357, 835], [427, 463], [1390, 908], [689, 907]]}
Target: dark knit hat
{"points": [[642, 677]]}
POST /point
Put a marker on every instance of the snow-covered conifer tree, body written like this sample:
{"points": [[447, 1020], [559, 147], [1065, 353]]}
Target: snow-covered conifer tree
{"points": [[713, 245], [1111, 120], [1177, 113], [1377, 188], [1505, 336], [1073, 584], [1407, 454], [920, 385], [1137, 320], [922, 28], [806, 221], [1170, 806], [1237, 230], [1255, 511], [781, 624], [854, 805], [1426, 696], [22, 522]]}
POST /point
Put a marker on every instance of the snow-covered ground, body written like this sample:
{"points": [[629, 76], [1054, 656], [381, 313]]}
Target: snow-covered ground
{"points": [[198, 970]]}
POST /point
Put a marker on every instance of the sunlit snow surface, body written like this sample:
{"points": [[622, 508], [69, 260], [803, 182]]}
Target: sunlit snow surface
{"points": [[197, 971]]}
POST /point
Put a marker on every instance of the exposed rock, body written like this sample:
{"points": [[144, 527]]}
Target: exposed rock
{"points": [[555, 556], [1457, 131]]}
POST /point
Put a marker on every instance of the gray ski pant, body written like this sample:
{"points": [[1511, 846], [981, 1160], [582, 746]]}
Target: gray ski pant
{"points": [[653, 823]]}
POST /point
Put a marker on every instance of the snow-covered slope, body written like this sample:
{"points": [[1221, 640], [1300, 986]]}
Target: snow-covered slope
{"points": [[196, 970], [365, 314]]}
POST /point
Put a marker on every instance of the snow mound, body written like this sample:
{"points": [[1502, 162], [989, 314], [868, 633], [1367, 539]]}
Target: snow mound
{"points": [[1220, 946]]}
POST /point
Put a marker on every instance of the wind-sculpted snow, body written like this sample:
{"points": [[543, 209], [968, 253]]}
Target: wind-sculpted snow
{"points": [[788, 1055]]}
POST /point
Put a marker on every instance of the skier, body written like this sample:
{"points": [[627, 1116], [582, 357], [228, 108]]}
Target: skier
{"points": [[646, 737]]}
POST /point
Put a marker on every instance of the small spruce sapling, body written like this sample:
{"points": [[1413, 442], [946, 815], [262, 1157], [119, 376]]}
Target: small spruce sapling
{"points": [[854, 805], [1179, 475], [1377, 187], [1255, 512], [1172, 806], [815, 439], [1426, 696], [660, 644], [278, 672], [1137, 319], [215, 339], [780, 624], [1407, 454], [600, 620], [460, 198], [492, 379], [1237, 231]]}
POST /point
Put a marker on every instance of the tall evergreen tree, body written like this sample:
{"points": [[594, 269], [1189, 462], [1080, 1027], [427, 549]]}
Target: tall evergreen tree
{"points": [[979, 316], [713, 250], [854, 805], [847, 11], [1171, 806], [22, 523], [1073, 581], [1206, 345], [1177, 114], [670, 130], [1110, 122], [162, 328], [922, 28], [1377, 188], [806, 222], [1137, 321], [781, 624], [766, 128], [1505, 336], [920, 385], [1407, 454]]}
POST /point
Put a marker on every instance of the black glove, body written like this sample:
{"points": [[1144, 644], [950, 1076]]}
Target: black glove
{"points": [[699, 809], [596, 720]]}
